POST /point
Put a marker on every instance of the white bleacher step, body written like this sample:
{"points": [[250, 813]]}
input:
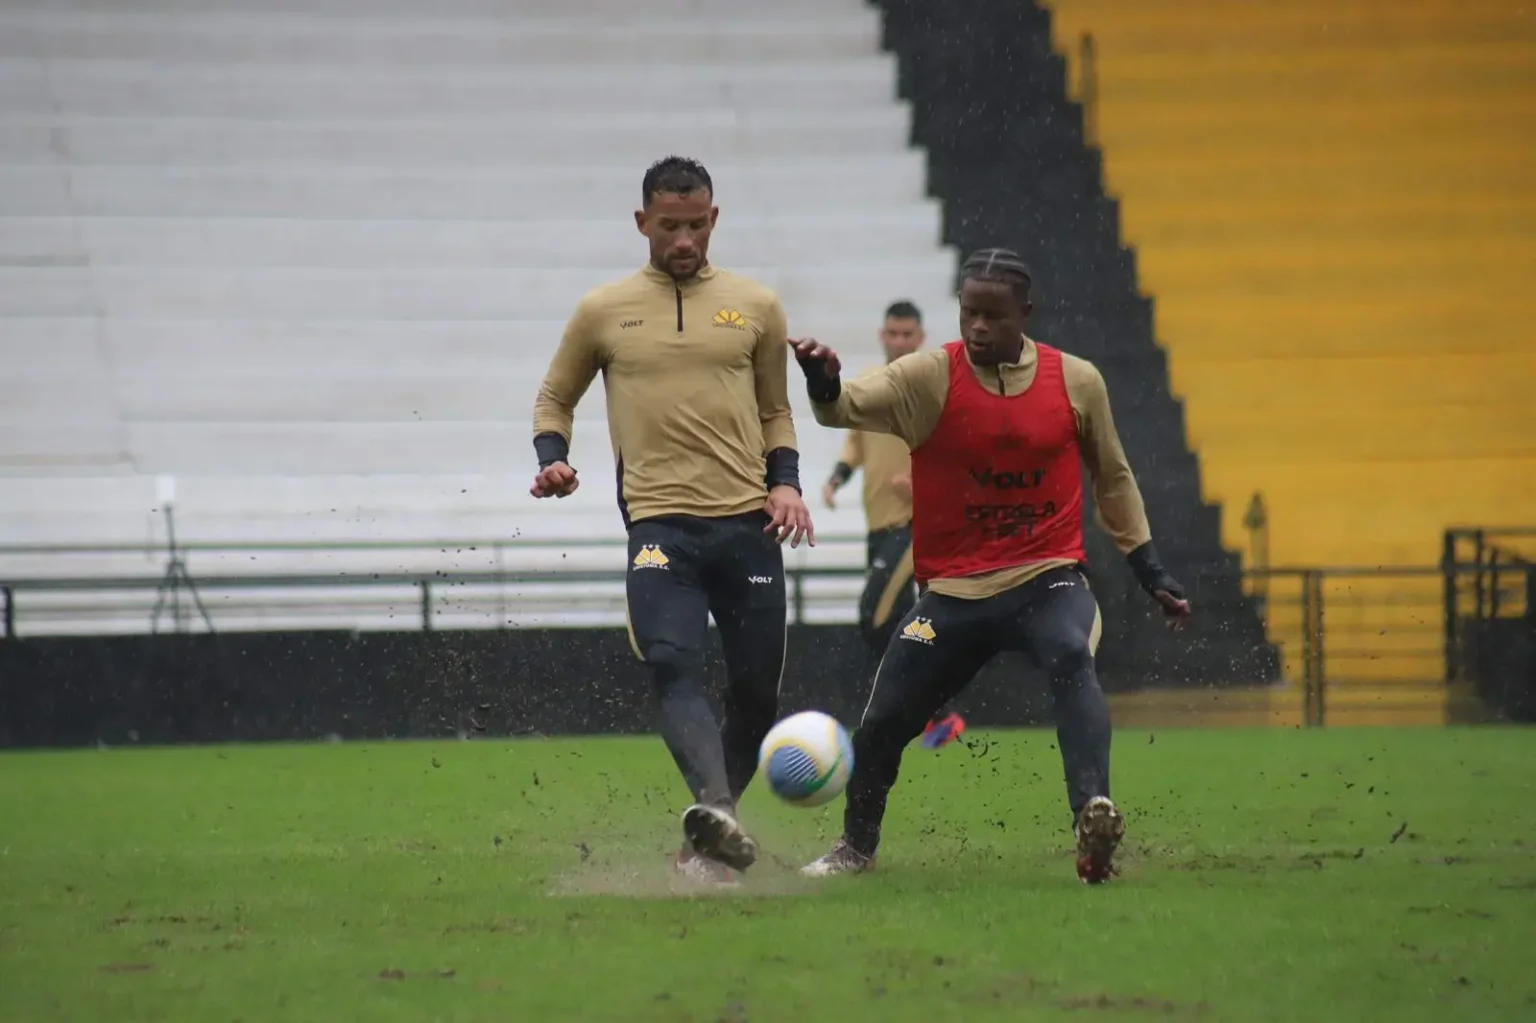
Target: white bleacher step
{"points": [[876, 236], [85, 444], [519, 535], [268, 448], [274, 293], [117, 88], [457, 553], [420, 505], [527, 138], [246, 494], [601, 188], [362, 395], [367, 607], [536, 136], [83, 394], [335, 448], [45, 345], [441, 11], [358, 396], [424, 41]]}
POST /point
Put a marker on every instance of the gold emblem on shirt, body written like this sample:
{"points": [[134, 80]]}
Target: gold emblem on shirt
{"points": [[730, 318]]}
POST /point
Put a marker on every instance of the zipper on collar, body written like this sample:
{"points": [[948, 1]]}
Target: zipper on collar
{"points": [[678, 288]]}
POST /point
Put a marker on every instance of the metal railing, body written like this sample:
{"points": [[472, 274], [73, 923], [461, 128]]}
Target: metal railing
{"points": [[1329, 621], [484, 583], [1375, 629], [1490, 576]]}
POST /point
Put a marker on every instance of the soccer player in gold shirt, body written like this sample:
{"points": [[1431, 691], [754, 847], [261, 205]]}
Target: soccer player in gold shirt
{"points": [[694, 362]]}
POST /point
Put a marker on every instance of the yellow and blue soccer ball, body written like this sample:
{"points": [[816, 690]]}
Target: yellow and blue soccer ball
{"points": [[806, 759]]}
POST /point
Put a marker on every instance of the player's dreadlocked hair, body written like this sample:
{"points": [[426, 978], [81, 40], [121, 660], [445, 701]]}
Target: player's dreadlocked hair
{"points": [[677, 175], [1002, 265]]}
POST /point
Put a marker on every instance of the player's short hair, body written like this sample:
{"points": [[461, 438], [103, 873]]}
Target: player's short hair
{"points": [[1001, 265], [904, 310], [677, 175]]}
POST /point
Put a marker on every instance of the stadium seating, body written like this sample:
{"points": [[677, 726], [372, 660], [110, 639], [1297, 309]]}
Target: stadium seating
{"points": [[1333, 207], [1008, 158], [311, 258]]}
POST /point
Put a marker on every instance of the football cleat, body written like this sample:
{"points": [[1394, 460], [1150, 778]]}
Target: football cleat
{"points": [[843, 859], [943, 731], [1098, 831], [715, 834], [695, 868]]}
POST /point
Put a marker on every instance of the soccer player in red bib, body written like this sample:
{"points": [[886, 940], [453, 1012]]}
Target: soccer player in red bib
{"points": [[999, 426]]}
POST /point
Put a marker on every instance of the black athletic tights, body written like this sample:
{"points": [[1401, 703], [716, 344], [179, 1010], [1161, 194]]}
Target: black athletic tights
{"points": [[937, 650], [682, 570]]}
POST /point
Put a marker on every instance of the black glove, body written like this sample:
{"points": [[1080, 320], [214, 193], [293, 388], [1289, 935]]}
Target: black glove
{"points": [[1151, 573], [822, 389]]}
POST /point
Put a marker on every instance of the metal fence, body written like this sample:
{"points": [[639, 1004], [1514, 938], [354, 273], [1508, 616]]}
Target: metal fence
{"points": [[364, 585], [1336, 627], [1490, 617]]}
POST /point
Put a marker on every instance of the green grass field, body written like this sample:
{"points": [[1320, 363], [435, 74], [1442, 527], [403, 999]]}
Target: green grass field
{"points": [[1268, 874]]}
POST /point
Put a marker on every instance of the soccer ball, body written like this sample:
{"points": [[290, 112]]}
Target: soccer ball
{"points": [[806, 759]]}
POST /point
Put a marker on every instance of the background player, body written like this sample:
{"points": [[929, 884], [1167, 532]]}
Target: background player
{"points": [[1000, 428], [889, 587], [694, 361]]}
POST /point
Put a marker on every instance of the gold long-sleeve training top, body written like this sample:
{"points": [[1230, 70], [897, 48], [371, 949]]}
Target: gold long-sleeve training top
{"points": [[697, 389], [883, 457]]}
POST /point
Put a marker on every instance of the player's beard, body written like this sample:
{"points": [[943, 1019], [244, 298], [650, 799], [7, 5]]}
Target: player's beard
{"points": [[675, 265]]}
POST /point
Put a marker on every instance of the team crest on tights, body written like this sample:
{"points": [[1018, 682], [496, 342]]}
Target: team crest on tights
{"points": [[650, 556], [919, 630], [730, 318]]}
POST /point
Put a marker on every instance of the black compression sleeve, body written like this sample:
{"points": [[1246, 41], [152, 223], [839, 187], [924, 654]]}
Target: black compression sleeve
{"points": [[784, 468], [551, 448], [842, 472]]}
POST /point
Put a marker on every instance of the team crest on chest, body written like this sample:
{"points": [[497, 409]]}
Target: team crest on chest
{"points": [[730, 318]]}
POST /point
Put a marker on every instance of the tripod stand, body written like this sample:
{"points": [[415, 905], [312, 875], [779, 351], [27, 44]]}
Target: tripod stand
{"points": [[176, 577]]}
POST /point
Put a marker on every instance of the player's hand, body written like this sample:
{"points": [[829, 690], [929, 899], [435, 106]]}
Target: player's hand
{"points": [[556, 480], [809, 353], [902, 484], [829, 494], [1174, 606], [789, 518]]}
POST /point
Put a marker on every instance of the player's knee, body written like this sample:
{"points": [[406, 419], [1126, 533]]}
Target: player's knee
{"points": [[670, 662], [1069, 657]]}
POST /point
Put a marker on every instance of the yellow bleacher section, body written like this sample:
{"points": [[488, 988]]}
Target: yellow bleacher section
{"points": [[1333, 203]]}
